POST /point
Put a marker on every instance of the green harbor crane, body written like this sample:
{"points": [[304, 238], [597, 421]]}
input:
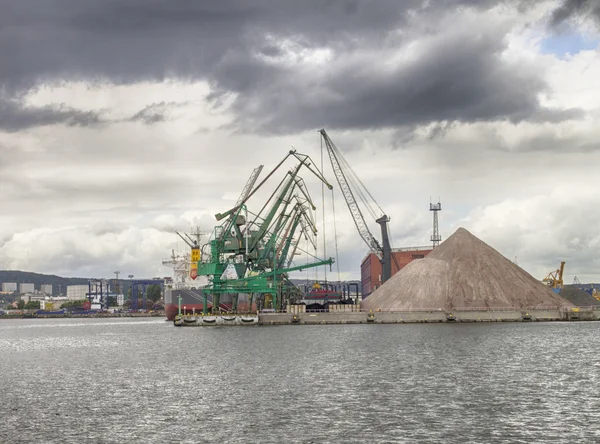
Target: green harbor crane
{"points": [[260, 247]]}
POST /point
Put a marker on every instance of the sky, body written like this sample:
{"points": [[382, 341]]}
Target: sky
{"points": [[122, 121]]}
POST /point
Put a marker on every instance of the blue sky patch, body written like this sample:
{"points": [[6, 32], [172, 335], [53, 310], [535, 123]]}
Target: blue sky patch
{"points": [[561, 45]]}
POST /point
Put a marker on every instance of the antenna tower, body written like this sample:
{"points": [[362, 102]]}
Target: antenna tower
{"points": [[435, 237]]}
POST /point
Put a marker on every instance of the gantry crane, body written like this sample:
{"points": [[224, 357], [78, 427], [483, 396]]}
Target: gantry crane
{"points": [[350, 185], [260, 250], [555, 278]]}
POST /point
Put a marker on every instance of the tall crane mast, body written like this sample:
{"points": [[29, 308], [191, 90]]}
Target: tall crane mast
{"points": [[350, 185]]}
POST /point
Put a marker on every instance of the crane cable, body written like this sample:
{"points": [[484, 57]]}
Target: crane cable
{"points": [[356, 186], [337, 255], [356, 181], [323, 210], [307, 269]]}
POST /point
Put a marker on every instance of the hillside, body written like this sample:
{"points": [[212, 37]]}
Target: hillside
{"points": [[58, 283]]}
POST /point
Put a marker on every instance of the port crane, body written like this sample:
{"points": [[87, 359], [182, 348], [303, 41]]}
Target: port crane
{"points": [[258, 248], [352, 187], [554, 279]]}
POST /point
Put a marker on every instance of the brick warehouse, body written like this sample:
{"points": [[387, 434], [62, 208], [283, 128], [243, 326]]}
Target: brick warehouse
{"points": [[370, 268]]}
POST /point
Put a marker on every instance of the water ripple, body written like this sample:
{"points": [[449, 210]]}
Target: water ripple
{"points": [[140, 381]]}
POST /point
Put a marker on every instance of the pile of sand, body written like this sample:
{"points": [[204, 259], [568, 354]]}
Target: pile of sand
{"points": [[578, 297], [463, 272]]}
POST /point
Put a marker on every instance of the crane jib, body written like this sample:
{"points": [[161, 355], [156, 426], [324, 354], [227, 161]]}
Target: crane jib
{"points": [[340, 167]]}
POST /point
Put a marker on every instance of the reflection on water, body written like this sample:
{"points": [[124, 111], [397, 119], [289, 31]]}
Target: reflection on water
{"points": [[107, 381]]}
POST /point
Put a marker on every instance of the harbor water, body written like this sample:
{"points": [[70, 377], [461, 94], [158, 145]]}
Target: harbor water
{"points": [[145, 381]]}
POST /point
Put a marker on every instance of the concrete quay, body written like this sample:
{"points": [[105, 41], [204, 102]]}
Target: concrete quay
{"points": [[432, 316]]}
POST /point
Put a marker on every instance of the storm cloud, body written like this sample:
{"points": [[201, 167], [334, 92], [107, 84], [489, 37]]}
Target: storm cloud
{"points": [[576, 8], [285, 68], [14, 116]]}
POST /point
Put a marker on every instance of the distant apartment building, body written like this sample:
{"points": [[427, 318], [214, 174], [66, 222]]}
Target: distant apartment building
{"points": [[77, 292], [9, 287], [46, 289], [26, 288]]}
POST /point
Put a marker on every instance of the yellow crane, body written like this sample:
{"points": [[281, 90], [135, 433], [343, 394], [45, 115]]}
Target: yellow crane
{"points": [[595, 293], [555, 278]]}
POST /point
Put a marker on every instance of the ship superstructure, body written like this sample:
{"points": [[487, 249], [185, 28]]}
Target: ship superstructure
{"points": [[181, 290]]}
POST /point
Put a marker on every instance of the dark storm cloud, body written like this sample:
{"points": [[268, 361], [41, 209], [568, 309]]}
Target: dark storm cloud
{"points": [[459, 79], [128, 41], [571, 8], [238, 47], [15, 117]]}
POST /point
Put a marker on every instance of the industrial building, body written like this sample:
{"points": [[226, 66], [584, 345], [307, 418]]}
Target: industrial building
{"points": [[46, 289], [9, 287], [28, 297], [26, 288], [77, 292], [371, 270]]}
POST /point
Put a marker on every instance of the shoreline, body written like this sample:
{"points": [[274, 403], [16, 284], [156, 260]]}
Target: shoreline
{"points": [[91, 315]]}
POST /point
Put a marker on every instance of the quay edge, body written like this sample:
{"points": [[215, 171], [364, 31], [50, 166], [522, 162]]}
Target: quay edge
{"points": [[434, 316]]}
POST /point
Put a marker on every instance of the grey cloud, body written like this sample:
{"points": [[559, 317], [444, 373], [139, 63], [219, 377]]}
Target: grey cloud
{"points": [[9, 156], [439, 130], [552, 143], [555, 116], [74, 188], [132, 41], [154, 113], [459, 79], [15, 117], [575, 8], [104, 227], [235, 46]]}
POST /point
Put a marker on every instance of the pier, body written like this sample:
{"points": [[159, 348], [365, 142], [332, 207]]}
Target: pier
{"points": [[394, 317]]}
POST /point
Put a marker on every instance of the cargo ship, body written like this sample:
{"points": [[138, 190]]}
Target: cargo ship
{"points": [[181, 289]]}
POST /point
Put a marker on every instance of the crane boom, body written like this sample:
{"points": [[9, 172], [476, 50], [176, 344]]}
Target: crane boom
{"points": [[384, 252], [357, 216], [249, 185], [555, 278]]}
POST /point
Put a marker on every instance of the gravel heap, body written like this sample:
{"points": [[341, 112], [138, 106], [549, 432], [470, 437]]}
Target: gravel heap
{"points": [[578, 297], [463, 272]]}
